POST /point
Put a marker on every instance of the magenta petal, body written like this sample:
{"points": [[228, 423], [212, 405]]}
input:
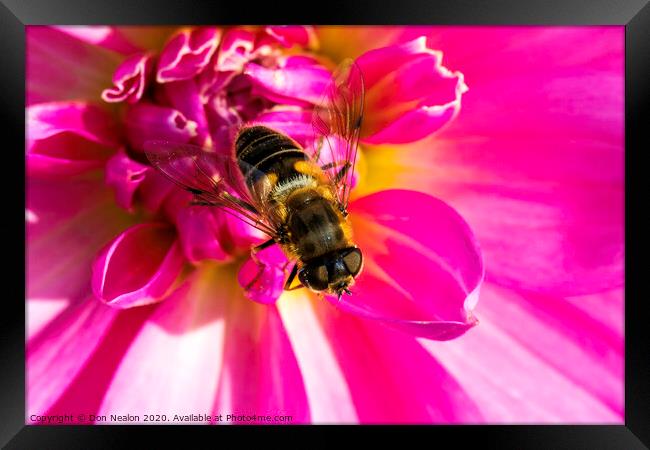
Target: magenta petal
{"points": [[263, 275], [414, 125], [236, 47], [173, 364], [130, 80], [260, 373], [145, 121], [138, 267], [124, 175], [294, 122], [420, 275], [197, 228], [102, 35], [67, 138], [290, 84], [184, 96], [187, 53], [290, 35], [55, 355], [61, 67]]}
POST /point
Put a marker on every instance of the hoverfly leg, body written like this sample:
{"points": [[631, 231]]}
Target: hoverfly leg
{"points": [[342, 173], [263, 245], [292, 275]]}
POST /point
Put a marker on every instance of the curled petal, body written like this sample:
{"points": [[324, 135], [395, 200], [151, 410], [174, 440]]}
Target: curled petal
{"points": [[290, 35], [124, 175], [197, 228], [293, 84], [187, 54], [145, 121], [184, 96], [67, 138], [409, 94], [138, 267], [423, 267], [129, 80], [235, 50], [262, 276]]}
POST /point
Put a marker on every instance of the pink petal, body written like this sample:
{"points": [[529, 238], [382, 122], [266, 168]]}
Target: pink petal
{"points": [[197, 229], [565, 367], [125, 175], [83, 374], [262, 276], [235, 49], [138, 267], [290, 84], [290, 35], [75, 219], [436, 299], [130, 80], [409, 94], [54, 357], [187, 54], [184, 96], [145, 121], [294, 122], [104, 36], [390, 377], [260, 373], [534, 161], [154, 190], [60, 67], [414, 125], [67, 138], [328, 393], [189, 329]]}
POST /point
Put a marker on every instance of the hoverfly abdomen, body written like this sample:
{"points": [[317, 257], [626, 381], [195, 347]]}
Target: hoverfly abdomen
{"points": [[261, 150]]}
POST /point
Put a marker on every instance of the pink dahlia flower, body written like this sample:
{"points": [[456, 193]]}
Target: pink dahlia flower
{"points": [[141, 304]]}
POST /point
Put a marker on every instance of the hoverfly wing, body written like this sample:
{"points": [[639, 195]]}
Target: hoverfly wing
{"points": [[213, 179], [337, 124]]}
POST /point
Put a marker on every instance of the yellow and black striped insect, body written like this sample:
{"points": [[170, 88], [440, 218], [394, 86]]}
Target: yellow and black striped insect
{"points": [[299, 199]]}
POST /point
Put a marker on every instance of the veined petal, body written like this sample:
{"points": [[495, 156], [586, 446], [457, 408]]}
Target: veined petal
{"points": [[125, 175], [390, 377], [138, 267], [187, 54], [395, 226], [260, 374], [67, 138], [73, 220], [54, 357], [525, 340], [61, 67], [189, 329], [262, 276], [542, 183], [145, 121], [130, 79]]}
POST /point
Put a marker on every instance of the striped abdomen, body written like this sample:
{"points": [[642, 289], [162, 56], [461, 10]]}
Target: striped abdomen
{"points": [[315, 225]]}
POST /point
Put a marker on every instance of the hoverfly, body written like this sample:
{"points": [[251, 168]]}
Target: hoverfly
{"points": [[269, 181]]}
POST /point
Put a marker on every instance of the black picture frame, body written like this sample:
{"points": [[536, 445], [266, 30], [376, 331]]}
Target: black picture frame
{"points": [[633, 14]]}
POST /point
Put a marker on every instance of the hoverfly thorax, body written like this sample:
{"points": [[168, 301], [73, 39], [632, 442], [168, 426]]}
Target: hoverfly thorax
{"points": [[299, 198]]}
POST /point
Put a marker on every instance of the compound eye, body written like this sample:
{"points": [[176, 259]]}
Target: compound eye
{"points": [[314, 277], [353, 261]]}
